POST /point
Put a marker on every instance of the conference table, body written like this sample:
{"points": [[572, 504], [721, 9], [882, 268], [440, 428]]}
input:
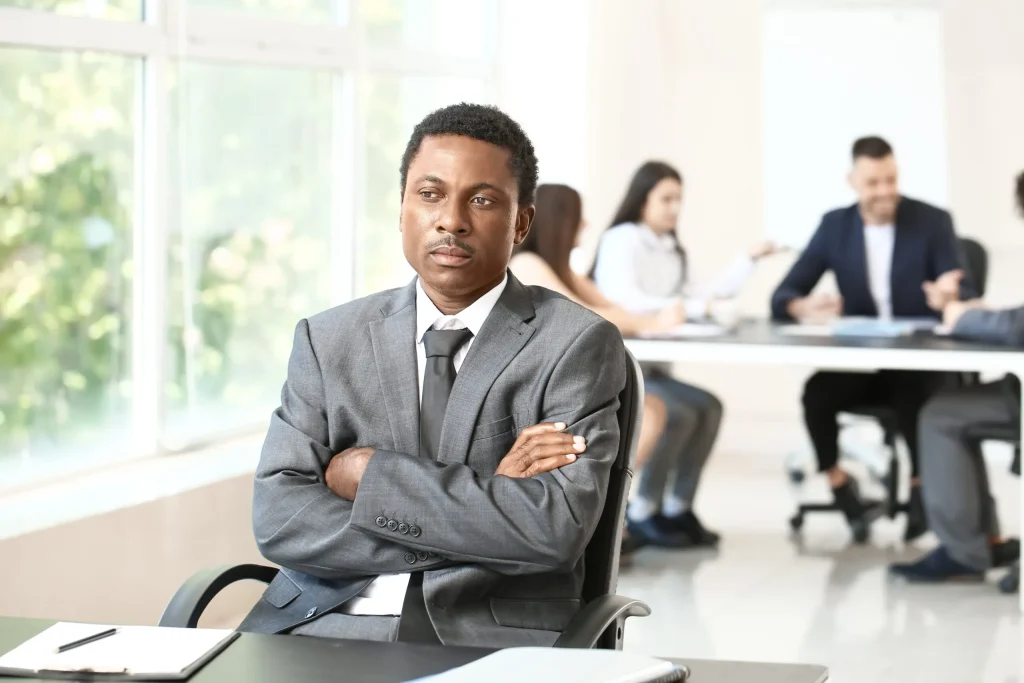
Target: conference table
{"points": [[759, 342], [255, 658]]}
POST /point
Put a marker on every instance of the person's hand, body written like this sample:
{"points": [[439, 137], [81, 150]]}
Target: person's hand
{"points": [[954, 310], [762, 249], [945, 289], [541, 448], [816, 308], [669, 317], [345, 471]]}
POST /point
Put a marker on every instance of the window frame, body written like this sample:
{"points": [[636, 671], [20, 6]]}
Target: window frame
{"points": [[170, 32]]}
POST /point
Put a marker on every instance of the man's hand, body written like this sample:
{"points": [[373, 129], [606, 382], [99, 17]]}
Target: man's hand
{"points": [[944, 290], [541, 448], [346, 470], [953, 311], [816, 308]]}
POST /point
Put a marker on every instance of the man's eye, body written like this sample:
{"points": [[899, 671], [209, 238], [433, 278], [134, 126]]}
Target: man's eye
{"points": [[429, 194], [482, 201]]}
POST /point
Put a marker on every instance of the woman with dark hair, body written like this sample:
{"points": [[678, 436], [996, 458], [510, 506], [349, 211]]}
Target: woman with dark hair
{"points": [[543, 260], [642, 267]]}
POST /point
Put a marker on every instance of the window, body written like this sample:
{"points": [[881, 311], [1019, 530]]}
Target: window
{"points": [[67, 150], [458, 28], [130, 10], [393, 106], [250, 239], [177, 193], [291, 10]]}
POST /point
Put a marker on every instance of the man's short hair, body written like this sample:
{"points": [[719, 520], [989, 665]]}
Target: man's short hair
{"points": [[484, 123], [1020, 192], [872, 147]]}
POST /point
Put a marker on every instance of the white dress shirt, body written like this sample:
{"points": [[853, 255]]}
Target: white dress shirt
{"points": [[878, 246], [385, 594], [641, 271]]}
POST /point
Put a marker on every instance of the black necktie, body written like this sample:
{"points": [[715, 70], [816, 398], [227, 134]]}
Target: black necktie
{"points": [[438, 379]]}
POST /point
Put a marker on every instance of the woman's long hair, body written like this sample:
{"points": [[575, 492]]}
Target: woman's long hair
{"points": [[553, 233], [631, 209]]}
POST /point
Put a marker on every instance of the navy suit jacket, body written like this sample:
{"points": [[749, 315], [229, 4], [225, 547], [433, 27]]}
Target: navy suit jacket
{"points": [[924, 248]]}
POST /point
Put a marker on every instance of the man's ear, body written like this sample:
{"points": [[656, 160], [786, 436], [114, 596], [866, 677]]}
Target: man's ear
{"points": [[849, 179], [523, 222]]}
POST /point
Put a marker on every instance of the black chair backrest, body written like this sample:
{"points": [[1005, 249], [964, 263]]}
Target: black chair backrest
{"points": [[976, 258], [601, 558]]}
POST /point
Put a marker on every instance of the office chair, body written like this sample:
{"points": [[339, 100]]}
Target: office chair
{"points": [[599, 625], [975, 259]]}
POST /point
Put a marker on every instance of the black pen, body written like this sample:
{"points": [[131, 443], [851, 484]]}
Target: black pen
{"points": [[85, 641]]}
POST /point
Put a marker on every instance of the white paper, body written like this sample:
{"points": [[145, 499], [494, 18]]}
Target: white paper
{"points": [[688, 330], [557, 665], [800, 330], [132, 650]]}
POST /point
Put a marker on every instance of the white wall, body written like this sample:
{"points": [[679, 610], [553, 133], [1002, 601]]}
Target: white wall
{"points": [[682, 80]]}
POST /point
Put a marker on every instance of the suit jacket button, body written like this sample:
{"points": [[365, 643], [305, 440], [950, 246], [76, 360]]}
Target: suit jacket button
{"points": [[421, 555], [410, 558], [311, 612], [403, 528], [392, 525], [381, 521], [415, 531]]}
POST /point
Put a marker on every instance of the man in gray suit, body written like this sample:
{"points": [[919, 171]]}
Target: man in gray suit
{"points": [[957, 498], [418, 481]]}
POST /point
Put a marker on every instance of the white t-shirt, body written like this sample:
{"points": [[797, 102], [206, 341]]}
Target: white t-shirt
{"points": [[878, 246]]}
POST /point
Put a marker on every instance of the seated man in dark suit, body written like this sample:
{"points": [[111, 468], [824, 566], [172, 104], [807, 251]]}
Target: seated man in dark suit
{"points": [[442, 451], [892, 256], [957, 498]]}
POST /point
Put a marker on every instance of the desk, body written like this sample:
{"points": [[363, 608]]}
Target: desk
{"points": [[294, 659], [759, 343]]}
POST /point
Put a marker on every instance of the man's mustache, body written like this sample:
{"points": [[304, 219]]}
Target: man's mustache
{"points": [[449, 242]]}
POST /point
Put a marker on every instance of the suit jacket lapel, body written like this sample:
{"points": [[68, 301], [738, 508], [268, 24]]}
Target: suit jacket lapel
{"points": [[859, 257], [502, 337], [394, 352], [903, 242]]}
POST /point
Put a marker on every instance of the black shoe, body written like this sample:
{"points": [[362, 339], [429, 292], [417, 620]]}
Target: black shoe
{"points": [[917, 522], [691, 525], [936, 567], [655, 531], [1005, 553], [848, 500]]}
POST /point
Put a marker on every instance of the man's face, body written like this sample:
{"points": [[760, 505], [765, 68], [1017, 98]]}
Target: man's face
{"points": [[461, 215], [875, 182]]}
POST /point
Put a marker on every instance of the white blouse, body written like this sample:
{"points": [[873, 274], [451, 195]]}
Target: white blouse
{"points": [[643, 272]]}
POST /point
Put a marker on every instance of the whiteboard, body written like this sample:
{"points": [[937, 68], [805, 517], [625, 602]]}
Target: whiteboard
{"points": [[832, 75]]}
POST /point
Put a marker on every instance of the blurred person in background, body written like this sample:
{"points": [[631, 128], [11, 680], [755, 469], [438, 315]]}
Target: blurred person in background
{"points": [[892, 256], [957, 497], [642, 267]]}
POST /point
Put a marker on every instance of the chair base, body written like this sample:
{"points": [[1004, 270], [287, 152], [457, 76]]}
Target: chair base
{"points": [[860, 528], [1010, 583]]}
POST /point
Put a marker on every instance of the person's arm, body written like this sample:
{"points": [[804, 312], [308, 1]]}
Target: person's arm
{"points": [[298, 522], [803, 276], [533, 270], [999, 327], [618, 279], [947, 255], [726, 286], [513, 525], [589, 292]]}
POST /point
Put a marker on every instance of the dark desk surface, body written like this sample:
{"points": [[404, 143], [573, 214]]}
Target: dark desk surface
{"points": [[262, 659], [764, 332]]}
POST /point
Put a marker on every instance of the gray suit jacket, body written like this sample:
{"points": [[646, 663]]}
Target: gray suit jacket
{"points": [[502, 557]]}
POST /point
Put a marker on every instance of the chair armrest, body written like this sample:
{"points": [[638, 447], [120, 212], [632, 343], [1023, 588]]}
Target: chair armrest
{"points": [[185, 608], [593, 620]]}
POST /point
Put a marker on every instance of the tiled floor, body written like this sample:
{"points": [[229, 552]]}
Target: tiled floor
{"points": [[763, 596]]}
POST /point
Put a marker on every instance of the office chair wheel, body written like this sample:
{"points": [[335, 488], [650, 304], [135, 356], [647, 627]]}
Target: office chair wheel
{"points": [[796, 523], [796, 476]]}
